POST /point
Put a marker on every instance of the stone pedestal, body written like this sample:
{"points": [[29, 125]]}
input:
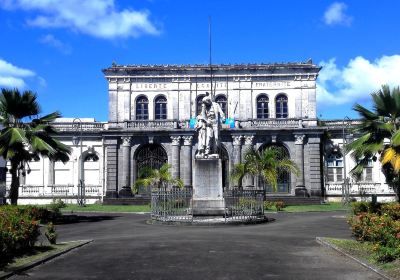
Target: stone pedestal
{"points": [[208, 199]]}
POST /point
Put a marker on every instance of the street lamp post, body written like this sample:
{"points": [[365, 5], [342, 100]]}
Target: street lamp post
{"points": [[345, 186], [77, 123]]}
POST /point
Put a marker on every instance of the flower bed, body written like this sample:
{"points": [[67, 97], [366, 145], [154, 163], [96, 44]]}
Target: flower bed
{"points": [[379, 224], [19, 229]]}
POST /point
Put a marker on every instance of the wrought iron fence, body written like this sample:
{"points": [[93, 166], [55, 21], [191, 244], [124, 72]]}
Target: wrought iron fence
{"points": [[175, 205], [244, 205], [171, 204]]}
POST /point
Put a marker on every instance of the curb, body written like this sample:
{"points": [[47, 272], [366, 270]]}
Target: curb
{"points": [[102, 212], [5, 275], [325, 243]]}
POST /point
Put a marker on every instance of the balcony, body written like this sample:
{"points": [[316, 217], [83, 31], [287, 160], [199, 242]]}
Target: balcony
{"points": [[86, 126]]}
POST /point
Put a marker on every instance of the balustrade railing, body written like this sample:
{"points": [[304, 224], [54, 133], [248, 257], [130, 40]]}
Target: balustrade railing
{"points": [[86, 126], [355, 188], [273, 123], [62, 190], [93, 190], [162, 124], [31, 190]]}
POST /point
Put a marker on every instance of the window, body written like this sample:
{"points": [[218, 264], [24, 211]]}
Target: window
{"points": [[221, 100], [281, 106], [198, 104], [142, 108], [160, 108], [367, 172], [334, 165], [262, 107]]}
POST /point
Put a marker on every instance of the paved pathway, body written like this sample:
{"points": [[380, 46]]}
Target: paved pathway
{"points": [[125, 247]]}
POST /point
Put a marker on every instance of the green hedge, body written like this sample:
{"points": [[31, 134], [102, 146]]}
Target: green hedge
{"points": [[19, 229], [379, 224]]}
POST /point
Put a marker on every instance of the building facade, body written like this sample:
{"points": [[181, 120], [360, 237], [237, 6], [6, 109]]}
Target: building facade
{"points": [[152, 110]]}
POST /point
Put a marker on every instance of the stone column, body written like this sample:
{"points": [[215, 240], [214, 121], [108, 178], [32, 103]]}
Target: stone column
{"points": [[175, 156], [126, 160], [299, 150], [237, 143], [112, 167], [187, 160], [314, 157], [248, 143], [50, 176]]}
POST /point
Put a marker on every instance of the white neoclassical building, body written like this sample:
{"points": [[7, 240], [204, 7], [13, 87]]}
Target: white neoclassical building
{"points": [[152, 111]]}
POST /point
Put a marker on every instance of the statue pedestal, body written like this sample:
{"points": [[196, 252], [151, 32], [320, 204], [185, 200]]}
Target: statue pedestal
{"points": [[208, 199]]}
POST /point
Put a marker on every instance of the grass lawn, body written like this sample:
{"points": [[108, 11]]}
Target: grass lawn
{"points": [[38, 253], [107, 208], [363, 251], [332, 206]]}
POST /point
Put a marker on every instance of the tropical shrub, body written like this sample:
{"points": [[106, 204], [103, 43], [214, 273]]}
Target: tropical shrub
{"points": [[381, 228], [392, 210], [51, 233], [359, 207], [279, 205], [268, 205], [18, 230]]}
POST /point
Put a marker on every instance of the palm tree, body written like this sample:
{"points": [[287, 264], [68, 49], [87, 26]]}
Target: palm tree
{"points": [[156, 178], [25, 136], [376, 128], [266, 163]]}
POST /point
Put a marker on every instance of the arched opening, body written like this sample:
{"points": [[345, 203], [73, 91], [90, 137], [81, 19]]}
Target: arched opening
{"points": [[223, 154], [152, 156], [142, 108], [262, 107], [281, 103], [283, 175], [160, 108], [223, 103], [91, 169]]}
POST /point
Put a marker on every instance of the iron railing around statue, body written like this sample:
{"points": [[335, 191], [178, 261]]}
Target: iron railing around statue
{"points": [[171, 205], [244, 205]]}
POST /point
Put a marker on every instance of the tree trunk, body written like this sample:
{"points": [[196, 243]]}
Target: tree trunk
{"points": [[14, 184]]}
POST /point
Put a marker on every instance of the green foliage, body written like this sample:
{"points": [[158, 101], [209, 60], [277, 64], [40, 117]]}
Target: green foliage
{"points": [[359, 207], [381, 226], [279, 205], [56, 207], [21, 129], [376, 126], [156, 178], [266, 163], [19, 230], [268, 205], [51, 233]]}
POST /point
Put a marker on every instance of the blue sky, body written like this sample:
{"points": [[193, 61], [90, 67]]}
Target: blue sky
{"points": [[58, 48]]}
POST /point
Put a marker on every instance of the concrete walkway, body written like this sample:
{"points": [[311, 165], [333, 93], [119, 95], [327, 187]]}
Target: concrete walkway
{"points": [[125, 247]]}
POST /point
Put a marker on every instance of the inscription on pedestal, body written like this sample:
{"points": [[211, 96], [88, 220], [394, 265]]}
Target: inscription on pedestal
{"points": [[208, 196]]}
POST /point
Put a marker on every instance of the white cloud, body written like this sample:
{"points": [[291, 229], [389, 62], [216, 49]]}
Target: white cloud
{"points": [[98, 18], [335, 14], [12, 76], [357, 80], [55, 43]]}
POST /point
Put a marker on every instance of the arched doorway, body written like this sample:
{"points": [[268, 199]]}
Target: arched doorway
{"points": [[223, 154], [283, 175], [152, 156]]}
